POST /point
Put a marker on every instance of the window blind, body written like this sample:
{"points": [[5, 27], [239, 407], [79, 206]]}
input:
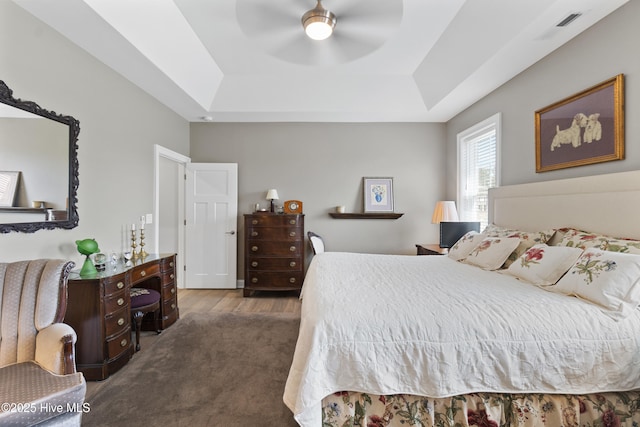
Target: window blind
{"points": [[477, 173]]}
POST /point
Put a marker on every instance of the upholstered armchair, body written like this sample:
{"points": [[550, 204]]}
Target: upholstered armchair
{"points": [[38, 379]]}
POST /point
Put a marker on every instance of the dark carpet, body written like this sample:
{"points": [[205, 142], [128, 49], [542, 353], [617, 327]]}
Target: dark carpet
{"points": [[218, 369]]}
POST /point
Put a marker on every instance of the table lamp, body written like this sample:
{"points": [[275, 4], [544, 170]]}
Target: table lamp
{"points": [[87, 247], [272, 195]]}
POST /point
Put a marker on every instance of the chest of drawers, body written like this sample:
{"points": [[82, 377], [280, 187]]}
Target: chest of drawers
{"points": [[273, 252]]}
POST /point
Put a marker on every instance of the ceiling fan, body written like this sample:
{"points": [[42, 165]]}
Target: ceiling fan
{"points": [[361, 26]]}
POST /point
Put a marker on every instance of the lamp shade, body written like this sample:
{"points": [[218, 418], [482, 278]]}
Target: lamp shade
{"points": [[272, 194], [445, 211]]}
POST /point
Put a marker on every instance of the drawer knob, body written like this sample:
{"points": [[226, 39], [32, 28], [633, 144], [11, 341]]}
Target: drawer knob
{"points": [[173, 290], [254, 222], [120, 301], [292, 264], [143, 273], [124, 342], [254, 280], [172, 276], [292, 221], [171, 264], [120, 321], [254, 248], [120, 285], [292, 280], [292, 248], [254, 234], [254, 264], [292, 234], [173, 306]]}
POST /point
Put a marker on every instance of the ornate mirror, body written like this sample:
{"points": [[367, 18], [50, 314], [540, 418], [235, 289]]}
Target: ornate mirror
{"points": [[38, 166]]}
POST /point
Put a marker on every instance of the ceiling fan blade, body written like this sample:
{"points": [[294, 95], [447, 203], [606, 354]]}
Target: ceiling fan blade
{"points": [[368, 9], [258, 17]]}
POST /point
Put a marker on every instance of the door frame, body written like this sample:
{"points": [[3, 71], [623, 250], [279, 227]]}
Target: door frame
{"points": [[182, 160]]}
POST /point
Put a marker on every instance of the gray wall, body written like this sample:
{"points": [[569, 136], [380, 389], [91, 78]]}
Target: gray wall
{"points": [[605, 50], [119, 125], [322, 164]]}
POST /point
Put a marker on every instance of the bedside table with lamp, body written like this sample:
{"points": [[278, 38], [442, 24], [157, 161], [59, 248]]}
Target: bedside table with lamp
{"points": [[451, 229]]}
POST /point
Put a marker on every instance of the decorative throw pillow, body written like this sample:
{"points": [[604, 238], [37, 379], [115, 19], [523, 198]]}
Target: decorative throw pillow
{"points": [[527, 239], [582, 239], [464, 245], [610, 279], [491, 252], [627, 246], [544, 265]]}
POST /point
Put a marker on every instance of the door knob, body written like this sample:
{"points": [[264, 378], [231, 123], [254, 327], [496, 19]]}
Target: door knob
{"points": [[232, 232]]}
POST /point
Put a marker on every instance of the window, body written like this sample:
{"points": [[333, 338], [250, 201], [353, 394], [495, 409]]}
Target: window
{"points": [[478, 170]]}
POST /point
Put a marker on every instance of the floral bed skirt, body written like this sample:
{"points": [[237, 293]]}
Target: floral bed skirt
{"points": [[352, 409]]}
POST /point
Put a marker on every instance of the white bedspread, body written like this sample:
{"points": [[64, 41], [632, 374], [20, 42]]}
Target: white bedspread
{"points": [[427, 325]]}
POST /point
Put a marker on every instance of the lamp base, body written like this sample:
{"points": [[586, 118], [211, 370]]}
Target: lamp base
{"points": [[88, 269]]}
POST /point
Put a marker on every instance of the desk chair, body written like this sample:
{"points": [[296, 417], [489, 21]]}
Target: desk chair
{"points": [[144, 301]]}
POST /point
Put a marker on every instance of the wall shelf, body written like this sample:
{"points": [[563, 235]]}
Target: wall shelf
{"points": [[19, 209], [377, 215]]}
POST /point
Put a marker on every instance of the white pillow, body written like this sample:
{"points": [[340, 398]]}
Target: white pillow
{"points": [[464, 245], [491, 252], [610, 279], [527, 239], [544, 265]]}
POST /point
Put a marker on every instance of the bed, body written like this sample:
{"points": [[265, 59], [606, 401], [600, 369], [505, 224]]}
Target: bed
{"points": [[390, 340]]}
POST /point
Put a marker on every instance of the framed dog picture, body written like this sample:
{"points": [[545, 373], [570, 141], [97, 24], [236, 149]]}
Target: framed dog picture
{"points": [[583, 129]]}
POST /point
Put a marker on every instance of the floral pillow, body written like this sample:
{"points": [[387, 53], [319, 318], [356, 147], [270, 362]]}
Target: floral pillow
{"points": [[464, 245], [622, 245], [582, 239], [609, 279], [527, 239], [491, 252], [544, 265]]}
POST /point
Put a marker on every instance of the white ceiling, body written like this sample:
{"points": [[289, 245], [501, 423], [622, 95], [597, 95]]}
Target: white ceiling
{"points": [[388, 60]]}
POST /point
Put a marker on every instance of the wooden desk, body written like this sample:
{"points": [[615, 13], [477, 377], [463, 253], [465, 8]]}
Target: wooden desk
{"points": [[430, 249], [98, 309]]}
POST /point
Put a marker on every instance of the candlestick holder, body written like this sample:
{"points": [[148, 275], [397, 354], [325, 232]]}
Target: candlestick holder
{"points": [[134, 254], [143, 254]]}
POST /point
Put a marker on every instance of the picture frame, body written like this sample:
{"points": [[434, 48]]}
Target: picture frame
{"points": [[8, 187], [378, 194], [583, 129]]}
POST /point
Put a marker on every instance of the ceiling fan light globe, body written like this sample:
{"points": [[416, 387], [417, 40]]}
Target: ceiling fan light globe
{"points": [[318, 22], [318, 30]]}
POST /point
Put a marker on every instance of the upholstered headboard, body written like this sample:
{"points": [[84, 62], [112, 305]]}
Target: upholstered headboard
{"points": [[607, 204]]}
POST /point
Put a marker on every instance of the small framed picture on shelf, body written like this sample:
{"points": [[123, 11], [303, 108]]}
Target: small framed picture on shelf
{"points": [[8, 187], [378, 194]]}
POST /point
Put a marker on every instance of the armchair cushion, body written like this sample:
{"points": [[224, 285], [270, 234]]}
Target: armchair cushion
{"points": [[43, 396]]}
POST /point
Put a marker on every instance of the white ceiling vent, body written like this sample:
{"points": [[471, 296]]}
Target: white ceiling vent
{"points": [[569, 19]]}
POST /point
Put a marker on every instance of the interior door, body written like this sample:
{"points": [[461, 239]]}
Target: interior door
{"points": [[211, 224]]}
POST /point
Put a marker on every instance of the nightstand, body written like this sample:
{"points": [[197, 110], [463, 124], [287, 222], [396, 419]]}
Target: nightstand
{"points": [[432, 249]]}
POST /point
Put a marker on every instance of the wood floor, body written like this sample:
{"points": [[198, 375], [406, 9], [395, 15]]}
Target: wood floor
{"points": [[219, 300], [214, 300]]}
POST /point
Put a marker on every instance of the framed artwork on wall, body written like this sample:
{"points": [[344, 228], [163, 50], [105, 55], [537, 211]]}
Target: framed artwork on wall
{"points": [[583, 129], [378, 194], [8, 187]]}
